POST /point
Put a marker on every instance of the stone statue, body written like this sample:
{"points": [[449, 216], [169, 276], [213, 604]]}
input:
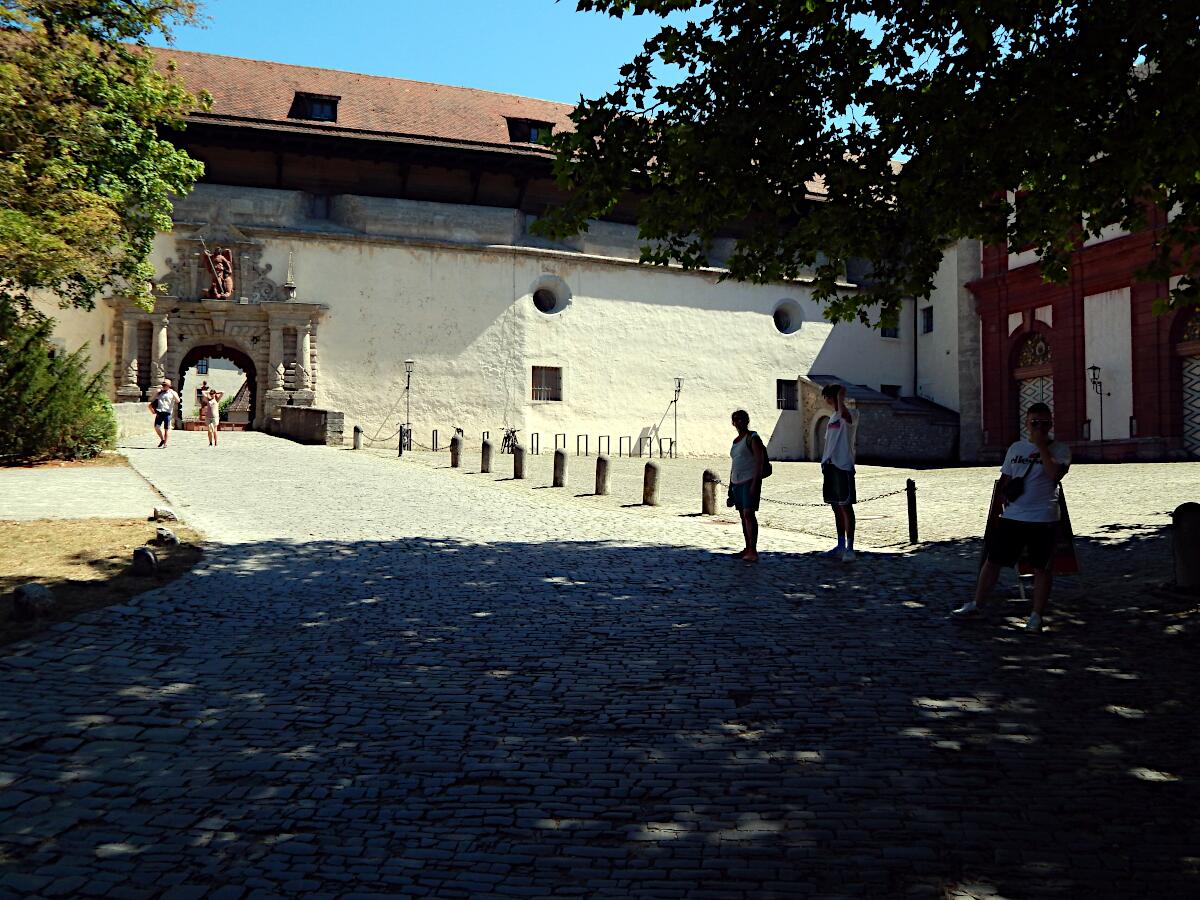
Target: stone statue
{"points": [[220, 263]]}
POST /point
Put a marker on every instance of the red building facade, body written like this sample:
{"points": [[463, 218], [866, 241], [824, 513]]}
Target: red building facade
{"points": [[1036, 344]]}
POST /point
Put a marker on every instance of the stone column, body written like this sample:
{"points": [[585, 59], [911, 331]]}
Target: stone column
{"points": [[158, 348], [304, 355], [129, 390], [276, 363]]}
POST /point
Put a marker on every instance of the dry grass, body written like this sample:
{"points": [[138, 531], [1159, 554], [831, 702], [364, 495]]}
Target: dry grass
{"points": [[105, 459], [85, 562]]}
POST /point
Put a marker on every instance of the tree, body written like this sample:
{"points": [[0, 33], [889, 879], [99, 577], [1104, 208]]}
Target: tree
{"points": [[723, 121], [85, 176], [51, 406]]}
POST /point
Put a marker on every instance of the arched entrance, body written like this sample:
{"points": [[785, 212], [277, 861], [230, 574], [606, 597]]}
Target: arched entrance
{"points": [[1034, 376], [1187, 349], [223, 351], [817, 438]]}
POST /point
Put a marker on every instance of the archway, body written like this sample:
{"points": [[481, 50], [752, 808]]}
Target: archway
{"points": [[817, 437], [223, 351]]}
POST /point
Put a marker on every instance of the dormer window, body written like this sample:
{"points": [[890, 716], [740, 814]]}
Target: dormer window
{"points": [[528, 131], [317, 107]]}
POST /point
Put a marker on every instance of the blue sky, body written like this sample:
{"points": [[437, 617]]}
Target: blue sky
{"points": [[535, 48]]}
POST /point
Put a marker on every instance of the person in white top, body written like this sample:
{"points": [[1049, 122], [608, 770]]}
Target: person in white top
{"points": [[212, 414], [748, 457], [163, 406], [1029, 522], [837, 467]]}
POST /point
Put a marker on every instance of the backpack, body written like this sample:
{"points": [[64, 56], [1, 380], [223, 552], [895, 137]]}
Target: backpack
{"points": [[766, 469]]}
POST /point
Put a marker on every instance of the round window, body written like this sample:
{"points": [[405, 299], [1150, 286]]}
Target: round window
{"points": [[550, 294], [788, 317], [544, 300]]}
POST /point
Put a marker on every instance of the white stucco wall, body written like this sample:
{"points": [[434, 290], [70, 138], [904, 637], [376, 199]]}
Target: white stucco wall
{"points": [[938, 351], [75, 328], [1107, 343]]}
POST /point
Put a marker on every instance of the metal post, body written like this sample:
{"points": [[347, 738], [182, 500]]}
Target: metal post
{"points": [[910, 488], [403, 435], [435, 446]]}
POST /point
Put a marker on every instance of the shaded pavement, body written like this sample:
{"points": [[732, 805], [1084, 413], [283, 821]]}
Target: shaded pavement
{"points": [[388, 680]]}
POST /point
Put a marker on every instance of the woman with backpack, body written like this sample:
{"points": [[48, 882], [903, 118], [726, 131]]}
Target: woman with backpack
{"points": [[747, 470]]}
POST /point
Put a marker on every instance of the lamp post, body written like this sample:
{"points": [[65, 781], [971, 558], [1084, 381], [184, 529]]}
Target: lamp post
{"points": [[675, 403], [406, 429], [1098, 387]]}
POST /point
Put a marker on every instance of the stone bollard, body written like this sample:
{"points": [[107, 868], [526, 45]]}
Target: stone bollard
{"points": [[602, 475], [144, 561], [32, 601], [708, 493], [650, 485], [163, 514], [357, 437], [485, 457], [1185, 544], [165, 536], [455, 452], [560, 467], [518, 462]]}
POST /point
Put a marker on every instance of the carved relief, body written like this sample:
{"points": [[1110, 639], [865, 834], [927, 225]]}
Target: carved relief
{"points": [[234, 271], [1034, 352]]}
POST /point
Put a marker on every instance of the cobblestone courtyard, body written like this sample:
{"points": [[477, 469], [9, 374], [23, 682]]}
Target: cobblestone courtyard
{"points": [[386, 678]]}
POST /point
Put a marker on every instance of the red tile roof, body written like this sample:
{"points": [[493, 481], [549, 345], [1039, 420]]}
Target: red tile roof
{"points": [[249, 91]]}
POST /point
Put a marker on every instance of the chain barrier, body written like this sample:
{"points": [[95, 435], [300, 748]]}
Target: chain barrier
{"points": [[822, 503]]}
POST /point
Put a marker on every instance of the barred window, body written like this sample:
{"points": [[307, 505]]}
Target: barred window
{"points": [[786, 396], [547, 383]]}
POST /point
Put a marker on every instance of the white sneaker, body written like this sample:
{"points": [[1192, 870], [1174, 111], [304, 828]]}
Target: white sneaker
{"points": [[1034, 623], [848, 556], [834, 551], [967, 609]]}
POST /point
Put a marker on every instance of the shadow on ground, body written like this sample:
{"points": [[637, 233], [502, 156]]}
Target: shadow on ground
{"points": [[470, 720]]}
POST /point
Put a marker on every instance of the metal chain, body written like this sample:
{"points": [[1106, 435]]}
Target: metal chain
{"points": [[822, 504]]}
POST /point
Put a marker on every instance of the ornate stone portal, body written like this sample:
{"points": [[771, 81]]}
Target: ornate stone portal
{"points": [[273, 340]]}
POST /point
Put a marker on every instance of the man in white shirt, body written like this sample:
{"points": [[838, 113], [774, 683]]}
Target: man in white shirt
{"points": [[163, 407], [1029, 522], [837, 468]]}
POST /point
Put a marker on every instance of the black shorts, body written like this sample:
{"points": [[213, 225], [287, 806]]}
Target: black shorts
{"points": [[162, 419], [1007, 539], [838, 489]]}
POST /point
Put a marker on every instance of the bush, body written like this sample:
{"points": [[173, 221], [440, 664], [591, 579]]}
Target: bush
{"points": [[50, 406], [223, 408]]}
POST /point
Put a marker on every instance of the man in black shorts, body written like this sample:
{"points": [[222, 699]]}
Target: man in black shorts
{"points": [[1029, 522], [163, 407]]}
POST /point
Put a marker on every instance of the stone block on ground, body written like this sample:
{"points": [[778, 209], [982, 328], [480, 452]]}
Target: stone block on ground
{"points": [[164, 514], [32, 601], [165, 536], [144, 561]]}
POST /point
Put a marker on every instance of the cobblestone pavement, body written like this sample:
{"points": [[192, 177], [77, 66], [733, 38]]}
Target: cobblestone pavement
{"points": [[387, 679]]}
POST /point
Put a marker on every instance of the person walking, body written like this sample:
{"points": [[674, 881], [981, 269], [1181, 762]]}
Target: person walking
{"points": [[1029, 495], [163, 407], [837, 469], [748, 457], [212, 414]]}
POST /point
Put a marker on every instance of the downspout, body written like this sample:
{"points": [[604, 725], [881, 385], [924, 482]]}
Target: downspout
{"points": [[916, 337]]}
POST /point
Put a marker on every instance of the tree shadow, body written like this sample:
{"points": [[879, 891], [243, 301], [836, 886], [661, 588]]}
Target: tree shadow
{"points": [[437, 716]]}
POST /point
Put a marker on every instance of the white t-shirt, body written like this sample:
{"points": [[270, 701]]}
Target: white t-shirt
{"points": [[1039, 501], [744, 467], [839, 440], [164, 401]]}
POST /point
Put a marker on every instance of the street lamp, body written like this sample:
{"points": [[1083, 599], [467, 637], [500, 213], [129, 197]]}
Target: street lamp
{"points": [[1098, 387], [406, 428], [675, 403]]}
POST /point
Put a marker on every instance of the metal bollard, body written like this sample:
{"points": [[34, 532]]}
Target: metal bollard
{"points": [[910, 488], [435, 444], [455, 452], [560, 467], [1185, 541], [485, 453], [518, 454], [602, 475], [708, 493], [650, 485], [357, 437]]}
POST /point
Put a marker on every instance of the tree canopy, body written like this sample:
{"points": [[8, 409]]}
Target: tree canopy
{"points": [[722, 122], [85, 175]]}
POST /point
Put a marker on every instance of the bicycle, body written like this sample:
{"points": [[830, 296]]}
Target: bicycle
{"points": [[510, 440]]}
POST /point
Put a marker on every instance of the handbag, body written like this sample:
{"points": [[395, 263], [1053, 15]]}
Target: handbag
{"points": [[1015, 487]]}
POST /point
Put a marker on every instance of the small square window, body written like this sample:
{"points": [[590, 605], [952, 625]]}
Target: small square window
{"points": [[786, 395], [890, 331], [202, 367], [927, 320], [547, 383]]}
